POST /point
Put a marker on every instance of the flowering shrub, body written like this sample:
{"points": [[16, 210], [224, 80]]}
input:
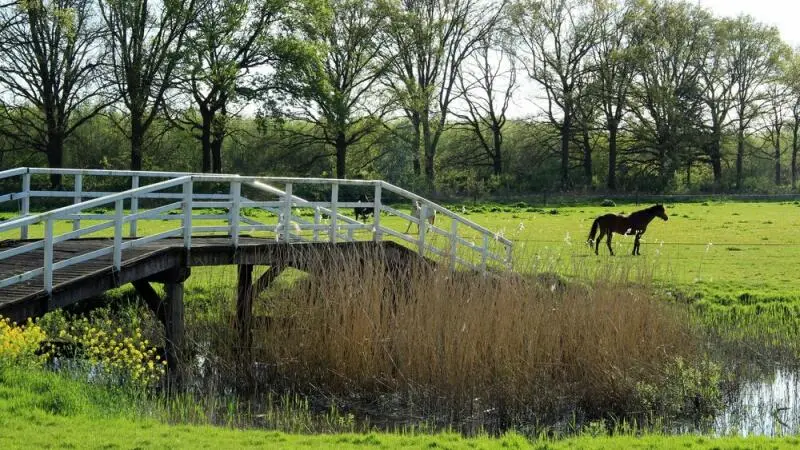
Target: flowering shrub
{"points": [[114, 352], [20, 344]]}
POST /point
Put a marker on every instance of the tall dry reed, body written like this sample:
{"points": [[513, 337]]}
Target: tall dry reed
{"points": [[521, 347]]}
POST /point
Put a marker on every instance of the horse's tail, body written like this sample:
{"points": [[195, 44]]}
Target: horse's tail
{"points": [[593, 232]]}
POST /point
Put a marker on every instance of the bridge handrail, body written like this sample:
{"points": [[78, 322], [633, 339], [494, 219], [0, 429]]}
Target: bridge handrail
{"points": [[288, 227]]}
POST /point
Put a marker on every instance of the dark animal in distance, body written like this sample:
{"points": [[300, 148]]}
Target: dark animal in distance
{"points": [[635, 224], [363, 211]]}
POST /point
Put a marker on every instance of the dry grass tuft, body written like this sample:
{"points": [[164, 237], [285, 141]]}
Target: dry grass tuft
{"points": [[419, 340]]}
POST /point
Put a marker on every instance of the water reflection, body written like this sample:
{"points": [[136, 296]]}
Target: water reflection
{"points": [[767, 407]]}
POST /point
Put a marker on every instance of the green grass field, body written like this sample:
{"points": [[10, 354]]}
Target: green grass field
{"points": [[46, 410], [719, 248], [724, 253]]}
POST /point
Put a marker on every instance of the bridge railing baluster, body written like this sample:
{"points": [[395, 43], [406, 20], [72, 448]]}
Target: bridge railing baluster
{"points": [[286, 213], [377, 235], [134, 205], [76, 224], [48, 255], [187, 214], [26, 203], [334, 211], [118, 222], [234, 212]]}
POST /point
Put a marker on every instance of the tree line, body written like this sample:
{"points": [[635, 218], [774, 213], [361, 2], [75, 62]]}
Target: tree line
{"points": [[634, 94]]}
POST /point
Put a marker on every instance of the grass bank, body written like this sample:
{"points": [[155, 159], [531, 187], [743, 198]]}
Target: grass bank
{"points": [[45, 410]]}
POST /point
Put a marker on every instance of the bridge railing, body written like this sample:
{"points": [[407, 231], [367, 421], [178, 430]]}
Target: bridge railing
{"points": [[224, 205]]}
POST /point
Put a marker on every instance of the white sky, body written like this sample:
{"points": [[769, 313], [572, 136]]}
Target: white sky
{"points": [[783, 14]]}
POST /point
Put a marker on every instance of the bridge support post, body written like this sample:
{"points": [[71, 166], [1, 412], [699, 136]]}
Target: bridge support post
{"points": [[175, 331], [244, 309]]}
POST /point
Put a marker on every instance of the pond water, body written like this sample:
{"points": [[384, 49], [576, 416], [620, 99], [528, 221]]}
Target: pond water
{"points": [[768, 407]]}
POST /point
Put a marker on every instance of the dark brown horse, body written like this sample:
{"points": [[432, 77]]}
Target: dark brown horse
{"points": [[636, 224]]}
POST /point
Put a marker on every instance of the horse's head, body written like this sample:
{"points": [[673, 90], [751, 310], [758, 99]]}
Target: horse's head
{"points": [[660, 212]]}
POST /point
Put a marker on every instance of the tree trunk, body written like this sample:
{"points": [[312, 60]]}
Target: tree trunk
{"points": [[218, 129], [587, 157], [55, 159], [497, 155], [429, 150], [416, 141], [716, 163], [795, 148], [778, 163], [341, 155], [612, 158], [216, 153], [205, 139], [566, 128], [137, 141], [739, 158]]}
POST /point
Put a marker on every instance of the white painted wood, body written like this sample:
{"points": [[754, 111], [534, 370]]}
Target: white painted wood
{"points": [[175, 232], [26, 203], [76, 224], [134, 206], [376, 214], [187, 213], [317, 222], [290, 227], [21, 278], [286, 212], [13, 172], [423, 228], [35, 245], [484, 252], [83, 232], [234, 212], [99, 253], [334, 212], [48, 256], [453, 244], [118, 222]]}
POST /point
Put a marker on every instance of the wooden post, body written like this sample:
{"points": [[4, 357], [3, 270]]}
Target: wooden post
{"points": [[26, 203], [234, 212], [244, 307], [175, 332], [118, 216], [377, 236], [134, 206], [334, 211], [76, 223], [453, 244]]}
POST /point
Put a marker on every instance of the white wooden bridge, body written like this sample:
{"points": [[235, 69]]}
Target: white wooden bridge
{"points": [[65, 245]]}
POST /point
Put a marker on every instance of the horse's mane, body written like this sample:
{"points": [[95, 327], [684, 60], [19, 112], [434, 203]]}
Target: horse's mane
{"points": [[648, 210]]}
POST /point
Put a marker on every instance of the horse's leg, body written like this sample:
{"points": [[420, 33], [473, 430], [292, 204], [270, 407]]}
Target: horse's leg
{"points": [[597, 242], [636, 244], [608, 242]]}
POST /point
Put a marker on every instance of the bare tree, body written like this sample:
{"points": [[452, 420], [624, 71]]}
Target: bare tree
{"points": [[50, 62], [792, 80], [671, 45], [557, 36], [487, 88], [614, 64], [337, 93], [755, 50], [774, 119], [717, 92], [227, 40], [430, 40], [145, 42]]}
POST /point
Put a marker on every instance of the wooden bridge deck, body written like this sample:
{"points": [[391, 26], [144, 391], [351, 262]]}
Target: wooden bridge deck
{"points": [[145, 263]]}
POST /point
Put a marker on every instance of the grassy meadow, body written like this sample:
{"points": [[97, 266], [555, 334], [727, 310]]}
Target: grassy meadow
{"points": [[569, 347]]}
